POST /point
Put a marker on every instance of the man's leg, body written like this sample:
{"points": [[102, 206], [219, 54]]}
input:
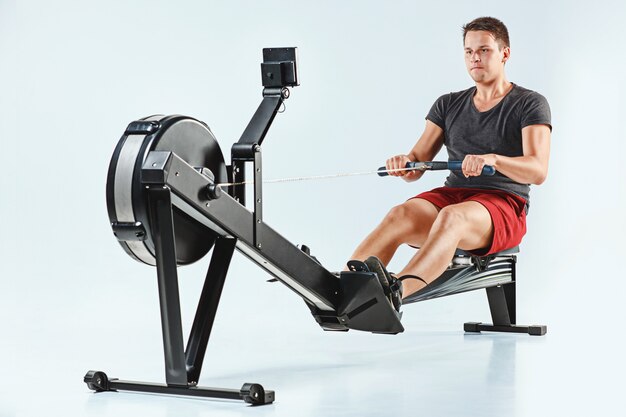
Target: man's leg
{"points": [[410, 222], [466, 225]]}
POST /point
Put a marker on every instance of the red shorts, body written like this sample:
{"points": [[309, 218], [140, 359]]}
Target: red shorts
{"points": [[508, 212]]}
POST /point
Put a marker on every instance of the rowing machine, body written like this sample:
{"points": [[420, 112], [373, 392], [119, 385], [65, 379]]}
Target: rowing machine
{"points": [[167, 208]]}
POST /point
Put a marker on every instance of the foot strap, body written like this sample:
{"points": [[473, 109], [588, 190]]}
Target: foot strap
{"points": [[403, 277]]}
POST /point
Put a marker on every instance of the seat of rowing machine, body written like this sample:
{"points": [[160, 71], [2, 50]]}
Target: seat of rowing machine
{"points": [[510, 251]]}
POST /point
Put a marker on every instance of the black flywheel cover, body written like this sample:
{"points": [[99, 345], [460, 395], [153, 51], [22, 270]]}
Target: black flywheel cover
{"points": [[192, 141]]}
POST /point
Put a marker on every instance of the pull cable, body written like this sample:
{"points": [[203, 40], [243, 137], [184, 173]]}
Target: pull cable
{"points": [[319, 177]]}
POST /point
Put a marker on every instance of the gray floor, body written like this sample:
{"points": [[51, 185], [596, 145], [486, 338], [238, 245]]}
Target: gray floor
{"points": [[432, 369]]}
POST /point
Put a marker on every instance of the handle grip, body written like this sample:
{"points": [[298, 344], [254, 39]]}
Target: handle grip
{"points": [[456, 166], [438, 166]]}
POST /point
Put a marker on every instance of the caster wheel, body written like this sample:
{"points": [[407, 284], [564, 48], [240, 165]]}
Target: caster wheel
{"points": [[97, 381]]}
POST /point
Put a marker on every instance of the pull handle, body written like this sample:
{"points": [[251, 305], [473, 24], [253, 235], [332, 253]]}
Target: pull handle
{"points": [[438, 166]]}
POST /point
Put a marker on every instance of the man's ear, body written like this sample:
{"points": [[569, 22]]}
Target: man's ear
{"points": [[506, 54]]}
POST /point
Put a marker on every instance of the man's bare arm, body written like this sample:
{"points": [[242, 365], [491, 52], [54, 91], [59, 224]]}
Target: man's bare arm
{"points": [[427, 146], [531, 168]]}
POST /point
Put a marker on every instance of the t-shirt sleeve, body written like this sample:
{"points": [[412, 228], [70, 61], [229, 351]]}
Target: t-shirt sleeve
{"points": [[437, 112], [536, 111]]}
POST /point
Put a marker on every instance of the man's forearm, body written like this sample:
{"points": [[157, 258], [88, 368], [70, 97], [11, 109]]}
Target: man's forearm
{"points": [[523, 169]]}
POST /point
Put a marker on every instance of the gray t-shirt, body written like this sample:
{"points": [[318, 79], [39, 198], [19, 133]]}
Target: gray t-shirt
{"points": [[498, 130]]}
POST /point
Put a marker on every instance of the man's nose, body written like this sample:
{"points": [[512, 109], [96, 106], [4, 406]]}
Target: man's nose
{"points": [[475, 57]]}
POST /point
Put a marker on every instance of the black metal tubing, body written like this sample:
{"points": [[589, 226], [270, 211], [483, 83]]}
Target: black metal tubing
{"points": [[258, 197], [258, 126], [502, 300], [228, 217], [498, 306], [163, 233], [207, 307], [253, 394], [510, 293], [229, 394], [248, 147]]}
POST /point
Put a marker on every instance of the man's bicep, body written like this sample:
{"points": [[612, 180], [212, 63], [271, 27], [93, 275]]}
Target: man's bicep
{"points": [[536, 142], [429, 144]]}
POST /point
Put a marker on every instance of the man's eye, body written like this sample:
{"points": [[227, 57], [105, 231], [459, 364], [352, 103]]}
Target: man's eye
{"points": [[485, 50]]}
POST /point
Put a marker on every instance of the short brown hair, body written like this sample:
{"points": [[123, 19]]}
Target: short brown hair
{"points": [[491, 25]]}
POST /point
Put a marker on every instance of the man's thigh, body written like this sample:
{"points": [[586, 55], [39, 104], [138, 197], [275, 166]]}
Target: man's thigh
{"points": [[476, 224]]}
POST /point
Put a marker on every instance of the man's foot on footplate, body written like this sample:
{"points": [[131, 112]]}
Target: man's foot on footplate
{"points": [[392, 286]]}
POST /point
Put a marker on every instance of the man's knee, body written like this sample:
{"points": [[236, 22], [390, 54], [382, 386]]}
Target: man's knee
{"points": [[407, 213], [411, 221], [452, 218], [397, 214]]}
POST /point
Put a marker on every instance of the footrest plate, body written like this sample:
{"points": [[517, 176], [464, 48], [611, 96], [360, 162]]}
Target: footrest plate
{"points": [[364, 305]]}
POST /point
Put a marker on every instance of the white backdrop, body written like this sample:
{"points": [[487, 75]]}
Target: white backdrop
{"points": [[73, 74]]}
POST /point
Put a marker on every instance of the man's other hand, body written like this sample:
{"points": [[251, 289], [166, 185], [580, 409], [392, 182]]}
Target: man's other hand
{"points": [[399, 162]]}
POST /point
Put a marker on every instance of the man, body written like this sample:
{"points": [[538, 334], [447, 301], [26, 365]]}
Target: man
{"points": [[495, 123]]}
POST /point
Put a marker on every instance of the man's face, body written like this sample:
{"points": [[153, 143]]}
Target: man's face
{"points": [[483, 58]]}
